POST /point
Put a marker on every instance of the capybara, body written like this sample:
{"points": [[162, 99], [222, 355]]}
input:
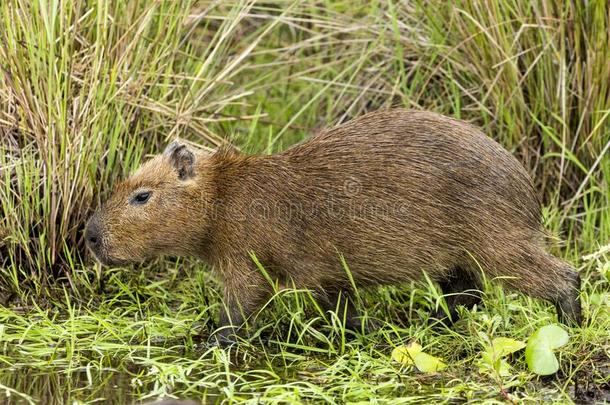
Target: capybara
{"points": [[394, 194]]}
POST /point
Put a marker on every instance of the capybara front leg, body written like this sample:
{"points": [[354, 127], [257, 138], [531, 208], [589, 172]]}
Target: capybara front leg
{"points": [[243, 296]]}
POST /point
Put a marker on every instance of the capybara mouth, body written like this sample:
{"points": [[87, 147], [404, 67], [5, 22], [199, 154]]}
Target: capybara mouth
{"points": [[96, 242], [110, 261], [107, 260]]}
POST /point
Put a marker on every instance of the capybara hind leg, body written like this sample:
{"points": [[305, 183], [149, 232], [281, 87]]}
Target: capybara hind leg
{"points": [[460, 288], [341, 301], [568, 303], [559, 283], [538, 274]]}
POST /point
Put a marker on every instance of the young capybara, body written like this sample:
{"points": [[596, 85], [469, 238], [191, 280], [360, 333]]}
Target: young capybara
{"points": [[395, 193]]}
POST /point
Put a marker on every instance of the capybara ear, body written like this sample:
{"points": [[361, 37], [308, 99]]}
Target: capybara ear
{"points": [[171, 147], [181, 158]]}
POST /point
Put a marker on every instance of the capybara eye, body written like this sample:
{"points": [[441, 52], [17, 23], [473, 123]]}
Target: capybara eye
{"points": [[141, 197]]}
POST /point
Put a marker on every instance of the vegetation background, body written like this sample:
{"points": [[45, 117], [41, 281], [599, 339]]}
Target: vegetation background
{"points": [[88, 88]]}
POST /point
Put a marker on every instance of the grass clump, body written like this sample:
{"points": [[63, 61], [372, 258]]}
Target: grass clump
{"points": [[88, 88]]}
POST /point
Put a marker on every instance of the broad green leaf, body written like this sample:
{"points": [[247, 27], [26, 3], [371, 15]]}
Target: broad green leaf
{"points": [[404, 354], [539, 350], [504, 368], [553, 335], [412, 355], [504, 346], [488, 365], [427, 363], [491, 358], [541, 360]]}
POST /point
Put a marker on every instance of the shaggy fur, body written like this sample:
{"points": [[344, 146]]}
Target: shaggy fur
{"points": [[396, 192]]}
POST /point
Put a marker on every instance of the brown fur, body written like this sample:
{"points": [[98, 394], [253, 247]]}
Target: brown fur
{"points": [[396, 192]]}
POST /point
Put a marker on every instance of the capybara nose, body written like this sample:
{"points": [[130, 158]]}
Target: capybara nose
{"points": [[92, 233]]}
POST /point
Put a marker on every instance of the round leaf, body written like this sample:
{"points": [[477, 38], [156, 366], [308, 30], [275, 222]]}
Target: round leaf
{"points": [[553, 336], [539, 350], [412, 355], [541, 360]]}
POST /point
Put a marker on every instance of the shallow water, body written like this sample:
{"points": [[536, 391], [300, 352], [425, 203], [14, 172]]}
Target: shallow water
{"points": [[29, 385], [61, 387]]}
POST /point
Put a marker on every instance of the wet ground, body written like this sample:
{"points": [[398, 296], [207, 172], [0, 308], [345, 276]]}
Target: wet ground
{"points": [[28, 385], [59, 387]]}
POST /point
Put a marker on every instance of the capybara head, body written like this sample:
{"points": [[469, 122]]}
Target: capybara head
{"points": [[148, 214]]}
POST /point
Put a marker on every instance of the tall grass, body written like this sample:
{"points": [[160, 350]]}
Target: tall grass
{"points": [[534, 74], [87, 88]]}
